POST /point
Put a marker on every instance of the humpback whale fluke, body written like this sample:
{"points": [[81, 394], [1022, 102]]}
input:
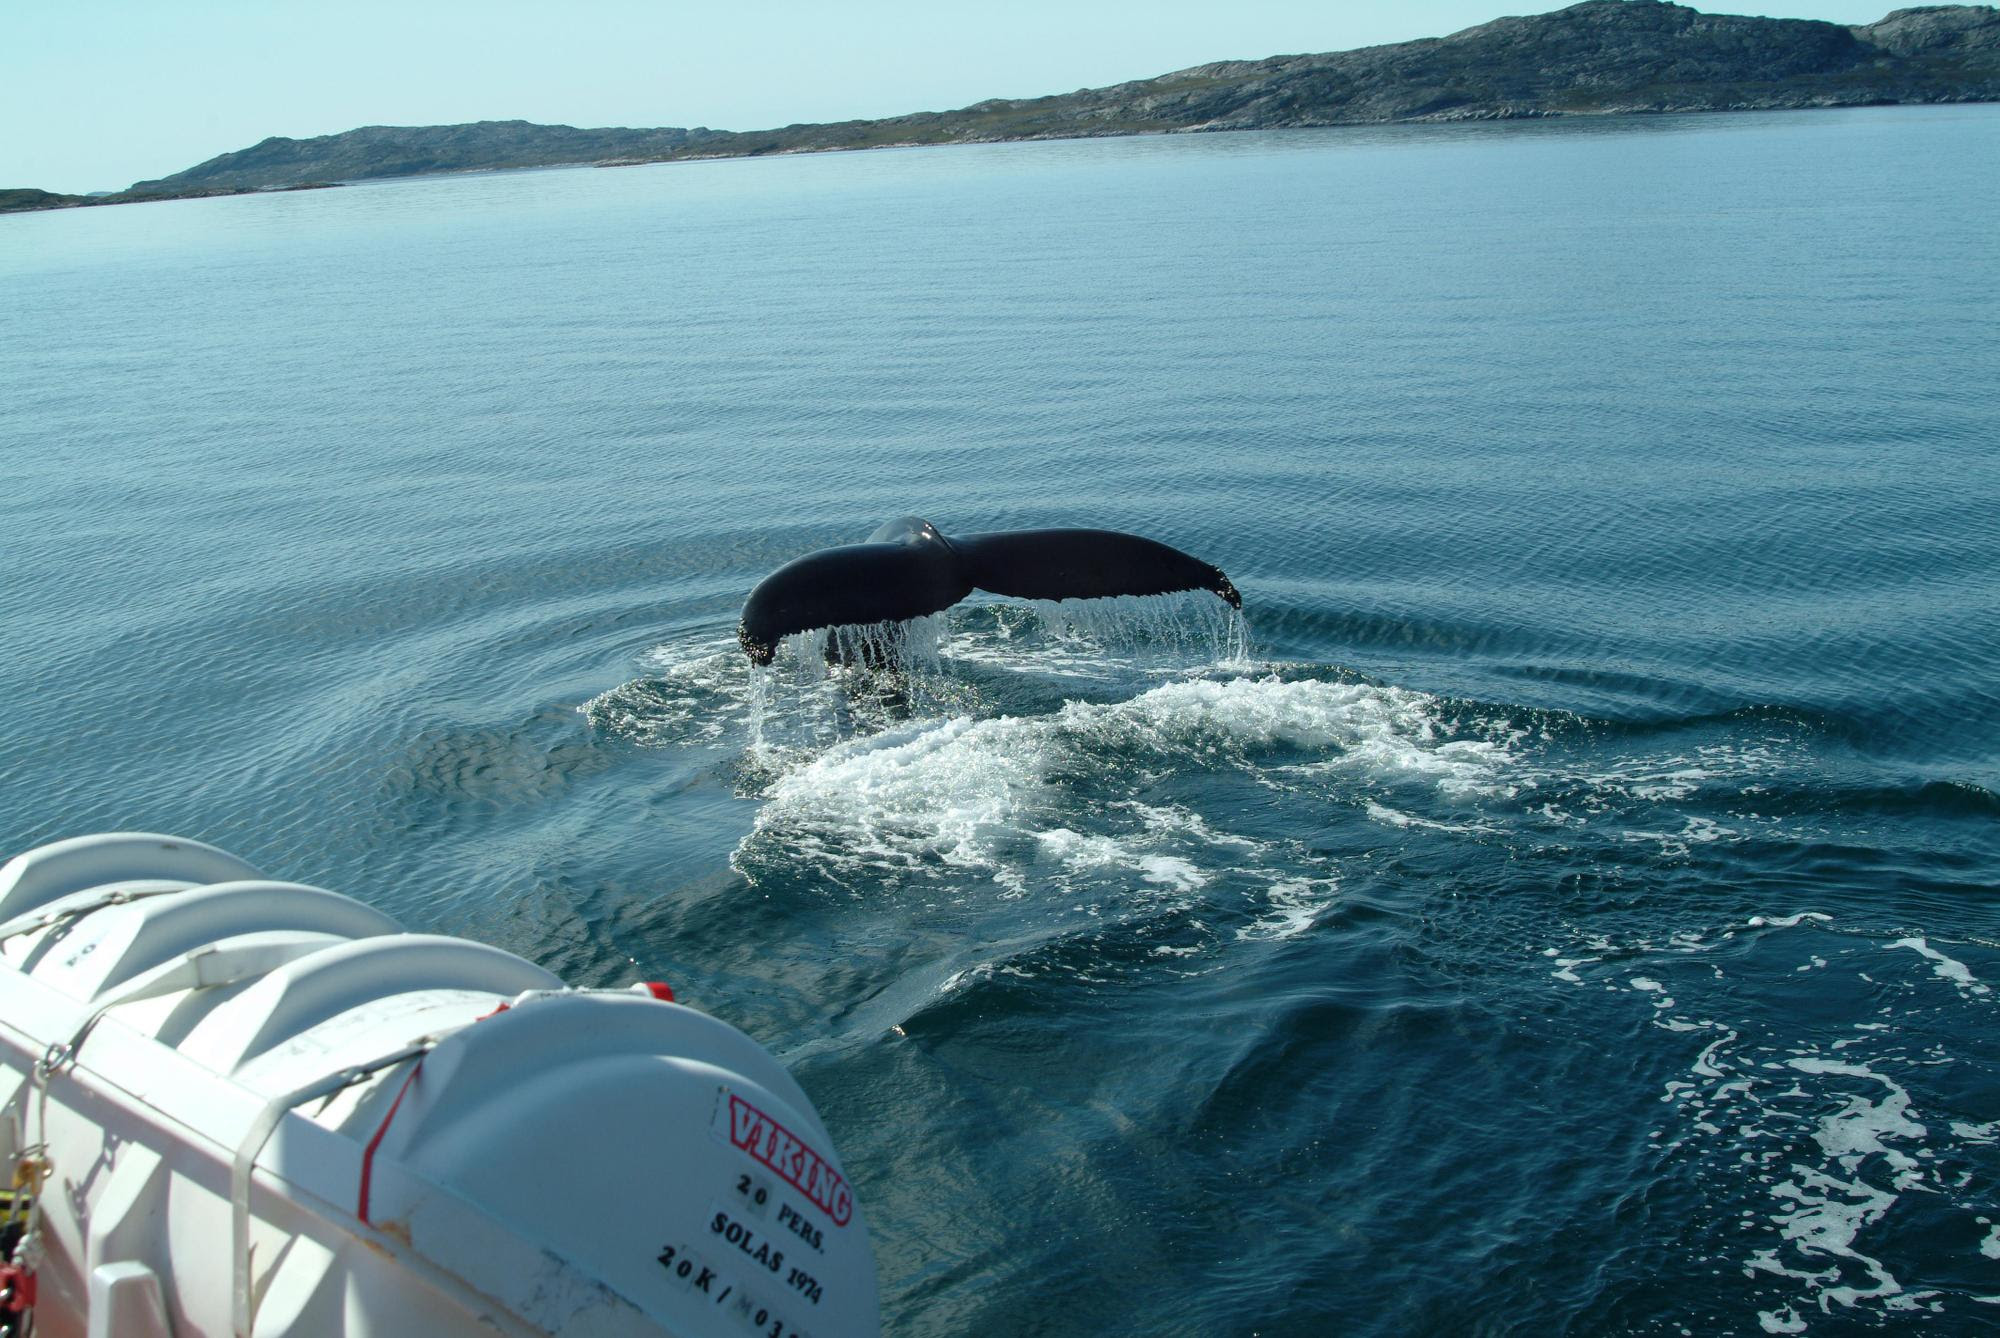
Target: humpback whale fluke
{"points": [[906, 569]]}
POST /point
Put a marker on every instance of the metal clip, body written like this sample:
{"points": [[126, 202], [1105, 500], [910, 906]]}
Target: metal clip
{"points": [[31, 1169], [58, 1054]]}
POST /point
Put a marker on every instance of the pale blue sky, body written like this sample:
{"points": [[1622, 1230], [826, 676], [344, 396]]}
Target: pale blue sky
{"points": [[100, 93]]}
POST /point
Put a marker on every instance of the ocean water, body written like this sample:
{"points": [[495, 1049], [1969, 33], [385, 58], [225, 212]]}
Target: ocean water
{"points": [[1567, 902]]}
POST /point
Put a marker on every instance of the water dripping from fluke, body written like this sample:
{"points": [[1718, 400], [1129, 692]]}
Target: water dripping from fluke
{"points": [[827, 684]]}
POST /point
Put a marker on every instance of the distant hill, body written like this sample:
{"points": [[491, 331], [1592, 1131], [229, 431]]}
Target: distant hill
{"points": [[19, 199], [1596, 58], [404, 151], [27, 197]]}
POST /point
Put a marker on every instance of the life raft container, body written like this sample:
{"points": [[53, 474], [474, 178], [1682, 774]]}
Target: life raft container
{"points": [[238, 1106]]}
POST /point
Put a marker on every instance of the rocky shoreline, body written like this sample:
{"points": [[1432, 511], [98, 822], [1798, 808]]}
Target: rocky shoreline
{"points": [[25, 199]]}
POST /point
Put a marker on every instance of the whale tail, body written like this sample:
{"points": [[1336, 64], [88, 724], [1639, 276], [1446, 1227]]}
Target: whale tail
{"points": [[907, 569], [1084, 564]]}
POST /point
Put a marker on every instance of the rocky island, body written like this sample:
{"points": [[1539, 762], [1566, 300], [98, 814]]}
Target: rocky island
{"points": [[1602, 57]]}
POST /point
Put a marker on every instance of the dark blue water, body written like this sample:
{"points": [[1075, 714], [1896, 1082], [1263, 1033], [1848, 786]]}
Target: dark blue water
{"points": [[1577, 909]]}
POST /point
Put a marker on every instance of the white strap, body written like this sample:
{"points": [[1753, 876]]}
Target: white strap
{"points": [[242, 1313], [33, 920]]}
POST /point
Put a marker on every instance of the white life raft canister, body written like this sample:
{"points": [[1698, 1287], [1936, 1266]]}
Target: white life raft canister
{"points": [[238, 1106]]}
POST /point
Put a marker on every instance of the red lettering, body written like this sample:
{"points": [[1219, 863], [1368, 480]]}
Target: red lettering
{"points": [[743, 1121], [791, 1157]]}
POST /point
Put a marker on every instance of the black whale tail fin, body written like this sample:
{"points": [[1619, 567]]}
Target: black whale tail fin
{"points": [[907, 569], [1084, 564], [856, 583]]}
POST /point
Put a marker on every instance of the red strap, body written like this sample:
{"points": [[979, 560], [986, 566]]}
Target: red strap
{"points": [[368, 1153], [17, 1289]]}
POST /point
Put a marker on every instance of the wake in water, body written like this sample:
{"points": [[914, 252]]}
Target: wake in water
{"points": [[1127, 752], [1067, 802]]}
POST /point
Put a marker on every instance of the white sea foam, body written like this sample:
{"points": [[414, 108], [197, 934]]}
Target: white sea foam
{"points": [[1647, 985], [1566, 968], [1171, 818], [977, 793], [691, 693], [1673, 805], [1294, 905], [1386, 731], [1390, 817], [1782, 1320], [949, 789], [1825, 1131], [1944, 967], [1695, 831], [1858, 1128], [1824, 1217], [1083, 852], [1821, 1207], [1168, 872], [1671, 778]]}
